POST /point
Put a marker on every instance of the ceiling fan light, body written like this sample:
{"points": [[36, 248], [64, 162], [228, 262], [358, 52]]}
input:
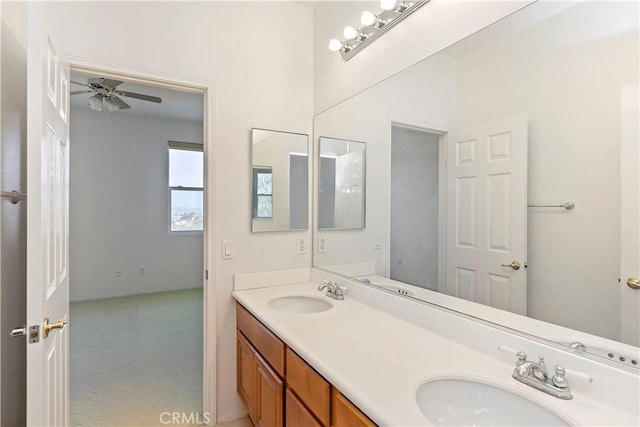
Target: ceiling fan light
{"points": [[95, 102], [111, 104]]}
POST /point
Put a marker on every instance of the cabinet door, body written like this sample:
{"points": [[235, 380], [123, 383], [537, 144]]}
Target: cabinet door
{"points": [[270, 396], [297, 414], [247, 374], [344, 413]]}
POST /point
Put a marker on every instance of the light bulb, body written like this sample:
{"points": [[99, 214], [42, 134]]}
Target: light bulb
{"points": [[388, 4], [335, 45], [368, 18], [95, 102], [394, 5], [351, 33]]}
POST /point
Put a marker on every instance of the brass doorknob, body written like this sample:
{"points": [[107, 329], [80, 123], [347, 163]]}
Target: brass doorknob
{"points": [[633, 282], [514, 264], [48, 327]]}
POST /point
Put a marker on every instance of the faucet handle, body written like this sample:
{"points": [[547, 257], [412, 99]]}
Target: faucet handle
{"points": [[522, 357], [559, 379]]}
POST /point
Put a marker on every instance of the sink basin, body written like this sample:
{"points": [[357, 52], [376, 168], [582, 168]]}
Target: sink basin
{"points": [[299, 304], [465, 402]]}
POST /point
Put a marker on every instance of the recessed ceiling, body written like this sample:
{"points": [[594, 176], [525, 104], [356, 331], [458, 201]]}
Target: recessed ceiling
{"points": [[175, 104]]}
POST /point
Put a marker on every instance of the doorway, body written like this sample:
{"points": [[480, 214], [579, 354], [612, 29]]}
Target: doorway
{"points": [[415, 182], [138, 237]]}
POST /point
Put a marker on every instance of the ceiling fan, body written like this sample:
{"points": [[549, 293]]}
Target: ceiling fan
{"points": [[105, 93]]}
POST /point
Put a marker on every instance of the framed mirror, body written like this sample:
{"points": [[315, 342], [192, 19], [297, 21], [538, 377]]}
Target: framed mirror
{"points": [[279, 181], [504, 184], [341, 184]]}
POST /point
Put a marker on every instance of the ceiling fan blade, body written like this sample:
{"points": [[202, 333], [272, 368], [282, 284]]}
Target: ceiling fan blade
{"points": [[111, 83], [115, 103], [140, 96], [78, 92], [78, 83]]}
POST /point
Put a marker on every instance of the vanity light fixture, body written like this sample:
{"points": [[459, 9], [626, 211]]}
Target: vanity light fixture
{"points": [[373, 26], [369, 19]]}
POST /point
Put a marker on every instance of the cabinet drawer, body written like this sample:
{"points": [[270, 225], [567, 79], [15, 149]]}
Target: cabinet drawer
{"points": [[345, 414], [312, 389], [267, 344], [296, 413]]}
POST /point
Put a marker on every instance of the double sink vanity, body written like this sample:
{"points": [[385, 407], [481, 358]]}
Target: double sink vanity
{"points": [[327, 361]]}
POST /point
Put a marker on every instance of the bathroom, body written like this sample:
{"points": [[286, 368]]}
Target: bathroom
{"points": [[561, 75]]}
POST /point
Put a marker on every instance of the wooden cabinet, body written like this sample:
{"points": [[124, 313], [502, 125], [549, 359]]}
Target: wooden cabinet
{"points": [[345, 414], [265, 365], [247, 375], [269, 393], [297, 415], [313, 390]]}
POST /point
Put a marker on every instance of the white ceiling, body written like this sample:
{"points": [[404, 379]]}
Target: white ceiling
{"points": [[175, 104]]}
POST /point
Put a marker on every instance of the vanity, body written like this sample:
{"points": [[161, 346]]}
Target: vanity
{"points": [[355, 363]]}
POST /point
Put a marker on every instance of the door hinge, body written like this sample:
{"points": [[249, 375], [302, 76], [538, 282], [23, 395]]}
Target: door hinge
{"points": [[206, 275]]}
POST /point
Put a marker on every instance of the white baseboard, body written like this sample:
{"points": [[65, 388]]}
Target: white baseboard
{"points": [[232, 416]]}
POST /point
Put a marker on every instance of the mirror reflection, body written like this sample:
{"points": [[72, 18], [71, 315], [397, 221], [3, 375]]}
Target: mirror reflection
{"points": [[341, 183], [474, 156], [280, 178]]}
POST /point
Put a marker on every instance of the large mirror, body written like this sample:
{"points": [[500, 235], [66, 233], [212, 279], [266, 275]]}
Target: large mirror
{"points": [[341, 184], [496, 177], [279, 181]]}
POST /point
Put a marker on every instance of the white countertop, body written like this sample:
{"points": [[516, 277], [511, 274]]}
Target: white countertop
{"points": [[378, 360]]}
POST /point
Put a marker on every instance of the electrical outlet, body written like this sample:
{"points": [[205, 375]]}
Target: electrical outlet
{"points": [[142, 271], [302, 246], [118, 273], [322, 245]]}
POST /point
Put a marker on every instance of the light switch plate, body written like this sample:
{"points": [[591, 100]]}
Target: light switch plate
{"points": [[378, 244], [227, 249]]}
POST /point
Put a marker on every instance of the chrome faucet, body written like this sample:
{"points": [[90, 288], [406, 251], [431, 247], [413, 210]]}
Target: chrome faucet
{"points": [[534, 374], [334, 290]]}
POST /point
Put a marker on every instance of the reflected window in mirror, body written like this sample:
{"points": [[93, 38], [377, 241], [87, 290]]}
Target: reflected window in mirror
{"points": [[279, 181], [341, 190], [262, 192]]}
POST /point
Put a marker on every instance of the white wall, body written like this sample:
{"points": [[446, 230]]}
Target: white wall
{"points": [[260, 56], [413, 246], [13, 219], [430, 29], [119, 207]]}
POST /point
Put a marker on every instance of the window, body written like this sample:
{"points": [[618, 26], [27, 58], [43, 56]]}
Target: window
{"points": [[186, 186], [262, 192]]}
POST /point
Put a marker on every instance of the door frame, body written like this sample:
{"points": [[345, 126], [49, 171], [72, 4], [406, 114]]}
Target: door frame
{"points": [[209, 313], [442, 192]]}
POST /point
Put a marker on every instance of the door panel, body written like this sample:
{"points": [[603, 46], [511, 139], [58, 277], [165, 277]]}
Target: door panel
{"points": [[486, 213], [630, 214], [47, 222], [270, 395]]}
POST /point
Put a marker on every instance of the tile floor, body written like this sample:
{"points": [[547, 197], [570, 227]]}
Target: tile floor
{"points": [[133, 358]]}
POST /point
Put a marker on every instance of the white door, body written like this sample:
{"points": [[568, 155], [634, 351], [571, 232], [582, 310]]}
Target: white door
{"points": [[630, 214], [47, 224], [487, 213]]}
